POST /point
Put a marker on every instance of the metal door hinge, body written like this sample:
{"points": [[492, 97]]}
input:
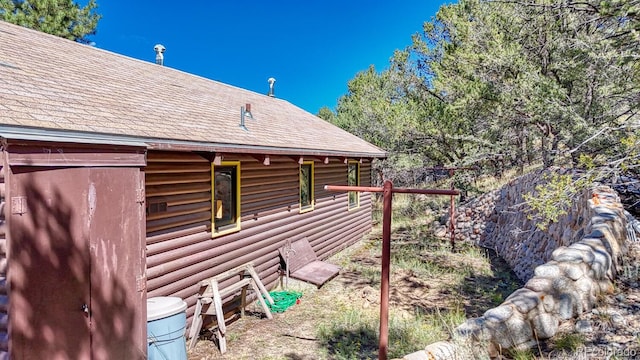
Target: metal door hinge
{"points": [[141, 283], [140, 195], [18, 205]]}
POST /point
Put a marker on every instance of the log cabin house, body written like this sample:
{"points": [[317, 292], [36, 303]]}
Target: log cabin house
{"points": [[124, 179]]}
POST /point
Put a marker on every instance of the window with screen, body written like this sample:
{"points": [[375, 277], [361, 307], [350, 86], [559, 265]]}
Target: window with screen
{"points": [[226, 198], [306, 186], [353, 179]]}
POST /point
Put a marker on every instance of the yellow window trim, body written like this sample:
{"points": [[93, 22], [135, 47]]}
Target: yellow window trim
{"points": [[357, 205], [236, 227], [312, 197]]}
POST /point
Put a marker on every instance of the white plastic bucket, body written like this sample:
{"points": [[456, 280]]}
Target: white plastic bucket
{"points": [[166, 323]]}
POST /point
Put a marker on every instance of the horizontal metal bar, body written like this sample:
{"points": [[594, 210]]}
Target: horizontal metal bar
{"points": [[427, 191], [395, 190], [453, 168], [352, 188]]}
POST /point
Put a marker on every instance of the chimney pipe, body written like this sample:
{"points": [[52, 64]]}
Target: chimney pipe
{"points": [[159, 49], [247, 111], [271, 82]]}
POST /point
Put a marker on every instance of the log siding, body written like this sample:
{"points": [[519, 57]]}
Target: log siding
{"points": [[180, 249]]}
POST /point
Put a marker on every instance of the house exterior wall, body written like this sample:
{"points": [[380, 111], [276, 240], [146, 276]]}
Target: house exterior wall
{"points": [[181, 250]]}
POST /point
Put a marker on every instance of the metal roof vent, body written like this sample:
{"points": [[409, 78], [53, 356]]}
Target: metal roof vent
{"points": [[159, 48], [271, 82], [244, 112]]}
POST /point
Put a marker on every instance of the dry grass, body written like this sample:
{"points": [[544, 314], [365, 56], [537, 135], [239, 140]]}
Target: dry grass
{"points": [[431, 291]]}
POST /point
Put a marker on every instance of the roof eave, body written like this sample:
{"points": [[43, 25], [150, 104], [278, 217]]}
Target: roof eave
{"points": [[54, 135], [177, 145]]}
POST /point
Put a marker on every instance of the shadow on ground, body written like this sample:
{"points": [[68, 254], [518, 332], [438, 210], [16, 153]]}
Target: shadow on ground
{"points": [[484, 292], [358, 344]]}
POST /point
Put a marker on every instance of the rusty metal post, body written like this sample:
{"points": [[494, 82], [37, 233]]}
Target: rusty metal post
{"points": [[452, 223], [452, 220], [387, 198]]}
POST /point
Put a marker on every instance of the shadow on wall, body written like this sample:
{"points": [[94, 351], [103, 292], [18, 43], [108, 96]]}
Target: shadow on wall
{"points": [[64, 305]]}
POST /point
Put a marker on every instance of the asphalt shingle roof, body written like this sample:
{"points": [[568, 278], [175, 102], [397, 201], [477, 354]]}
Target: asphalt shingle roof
{"points": [[47, 82]]}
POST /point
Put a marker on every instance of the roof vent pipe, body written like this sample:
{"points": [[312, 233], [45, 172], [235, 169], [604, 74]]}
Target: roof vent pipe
{"points": [[271, 82], [159, 51], [242, 114]]}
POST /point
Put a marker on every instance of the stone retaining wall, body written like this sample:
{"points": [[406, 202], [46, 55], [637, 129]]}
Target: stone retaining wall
{"points": [[500, 221], [565, 267]]}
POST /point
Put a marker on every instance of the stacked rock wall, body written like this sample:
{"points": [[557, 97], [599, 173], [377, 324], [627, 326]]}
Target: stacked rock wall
{"points": [[578, 260], [500, 221]]}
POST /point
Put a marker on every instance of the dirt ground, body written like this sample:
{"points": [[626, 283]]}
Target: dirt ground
{"points": [[292, 335]]}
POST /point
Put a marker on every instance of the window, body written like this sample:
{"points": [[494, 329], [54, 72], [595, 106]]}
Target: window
{"points": [[353, 179], [226, 197], [306, 186]]}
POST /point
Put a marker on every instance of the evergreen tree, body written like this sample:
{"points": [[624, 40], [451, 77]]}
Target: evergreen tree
{"points": [[505, 84], [326, 114], [548, 81], [62, 18]]}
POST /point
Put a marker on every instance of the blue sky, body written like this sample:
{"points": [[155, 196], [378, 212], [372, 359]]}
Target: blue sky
{"points": [[311, 48]]}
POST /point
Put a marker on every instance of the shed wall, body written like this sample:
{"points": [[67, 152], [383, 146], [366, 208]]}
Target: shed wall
{"points": [[75, 267], [180, 249]]}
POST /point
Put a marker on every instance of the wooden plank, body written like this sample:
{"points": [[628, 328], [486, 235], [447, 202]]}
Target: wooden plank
{"points": [[261, 299], [196, 325], [229, 273], [222, 328], [243, 299], [209, 293], [263, 290]]}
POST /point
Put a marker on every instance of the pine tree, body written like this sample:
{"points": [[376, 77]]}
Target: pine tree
{"points": [[62, 18]]}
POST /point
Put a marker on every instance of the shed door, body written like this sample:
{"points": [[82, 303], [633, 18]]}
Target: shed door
{"points": [[72, 277], [118, 296]]}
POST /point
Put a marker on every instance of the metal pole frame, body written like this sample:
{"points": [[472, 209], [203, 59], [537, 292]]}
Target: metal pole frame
{"points": [[387, 198]]}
